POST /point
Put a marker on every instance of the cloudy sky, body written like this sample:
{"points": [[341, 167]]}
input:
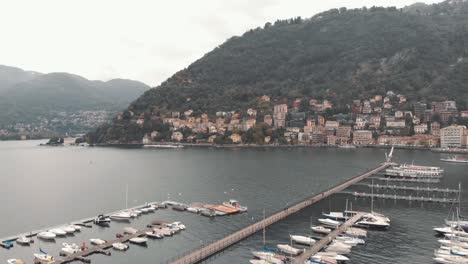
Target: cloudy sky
{"points": [[146, 40]]}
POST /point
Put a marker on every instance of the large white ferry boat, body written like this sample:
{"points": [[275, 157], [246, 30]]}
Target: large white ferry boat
{"points": [[414, 171]]}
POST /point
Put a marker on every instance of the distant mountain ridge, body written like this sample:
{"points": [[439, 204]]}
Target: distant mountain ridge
{"points": [[338, 55], [26, 96]]}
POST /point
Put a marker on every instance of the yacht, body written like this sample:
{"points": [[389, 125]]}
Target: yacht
{"points": [[102, 220], [303, 240], [370, 221], [120, 246], [320, 260], [356, 232], [329, 222], [68, 229], [289, 250], [337, 216], [46, 235], [321, 229], [350, 240], [130, 230], [178, 225], [24, 240]]}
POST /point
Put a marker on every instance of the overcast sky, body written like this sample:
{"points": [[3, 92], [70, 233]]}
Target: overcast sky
{"points": [[146, 40]]}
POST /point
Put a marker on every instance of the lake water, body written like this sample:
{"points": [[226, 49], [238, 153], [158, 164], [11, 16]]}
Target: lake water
{"points": [[47, 186]]}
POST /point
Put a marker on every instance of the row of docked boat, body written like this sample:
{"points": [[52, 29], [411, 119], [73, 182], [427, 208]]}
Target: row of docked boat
{"points": [[454, 244], [414, 171], [229, 207], [127, 215], [370, 220]]}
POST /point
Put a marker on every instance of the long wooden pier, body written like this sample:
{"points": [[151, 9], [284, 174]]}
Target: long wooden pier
{"points": [[217, 246], [327, 239]]}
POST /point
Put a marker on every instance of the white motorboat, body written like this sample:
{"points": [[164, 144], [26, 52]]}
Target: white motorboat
{"points": [[350, 240], [154, 235], [235, 204], [321, 260], [24, 240], [332, 255], [76, 227], [329, 222], [458, 251], [151, 208], [102, 220], [453, 259], [441, 260], [303, 240], [15, 261], [179, 225], [144, 210], [130, 230], [68, 229], [136, 211], [443, 230], [139, 240], [164, 231], [340, 245], [338, 250], [369, 221], [320, 229], [43, 257], [356, 232], [69, 250], [121, 216], [58, 231], [120, 246], [269, 256], [337, 216], [452, 243], [289, 250], [46, 235], [192, 210], [97, 241]]}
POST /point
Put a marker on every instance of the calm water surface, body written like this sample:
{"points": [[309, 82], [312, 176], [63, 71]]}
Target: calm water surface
{"points": [[46, 186]]}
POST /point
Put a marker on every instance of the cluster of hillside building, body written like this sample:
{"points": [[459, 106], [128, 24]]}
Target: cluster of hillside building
{"points": [[380, 120]]}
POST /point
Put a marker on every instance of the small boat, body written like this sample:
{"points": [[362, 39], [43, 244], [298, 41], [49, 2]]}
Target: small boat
{"points": [[154, 234], [24, 240], [7, 244], [144, 210], [347, 146], [120, 246], [456, 160], [321, 229], [139, 240], [369, 221], [151, 208], [259, 261], [270, 257], [164, 231], [329, 222], [178, 225], [68, 251], [208, 213], [179, 207], [320, 260], [46, 235], [43, 258], [337, 216], [130, 230], [121, 216], [356, 232], [76, 227], [97, 241], [192, 210], [303, 240], [58, 231], [443, 230], [332, 255], [350, 240], [68, 229], [289, 250], [15, 261], [236, 205], [102, 220], [136, 211]]}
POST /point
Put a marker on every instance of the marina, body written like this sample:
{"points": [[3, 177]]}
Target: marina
{"points": [[401, 197], [409, 188]]}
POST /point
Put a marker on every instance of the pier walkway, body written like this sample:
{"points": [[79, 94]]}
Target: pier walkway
{"points": [[217, 246], [315, 248], [403, 197], [409, 188]]}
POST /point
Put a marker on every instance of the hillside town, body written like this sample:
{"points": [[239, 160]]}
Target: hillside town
{"points": [[389, 119]]}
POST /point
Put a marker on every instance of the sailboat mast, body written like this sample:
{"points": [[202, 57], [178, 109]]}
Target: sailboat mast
{"points": [[372, 197], [126, 197], [264, 232]]}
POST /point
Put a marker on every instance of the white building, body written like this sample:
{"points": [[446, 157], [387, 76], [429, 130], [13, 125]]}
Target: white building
{"points": [[453, 136]]}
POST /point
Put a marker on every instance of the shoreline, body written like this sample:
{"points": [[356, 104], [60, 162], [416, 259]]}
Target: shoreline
{"points": [[271, 146]]}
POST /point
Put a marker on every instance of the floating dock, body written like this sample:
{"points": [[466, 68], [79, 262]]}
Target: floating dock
{"points": [[319, 245], [219, 245], [409, 188], [402, 197], [421, 180]]}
